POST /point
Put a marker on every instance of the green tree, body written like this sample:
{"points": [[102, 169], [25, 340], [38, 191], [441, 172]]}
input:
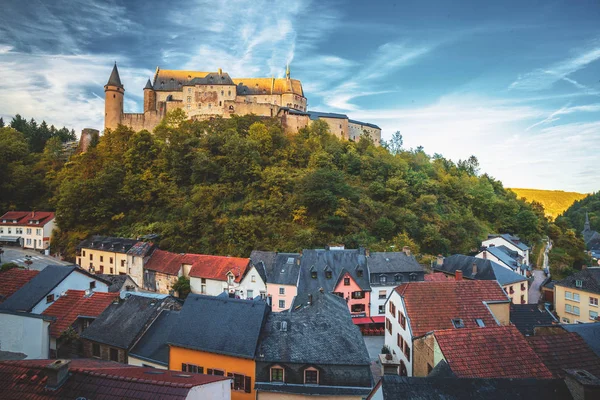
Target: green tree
{"points": [[182, 286]]}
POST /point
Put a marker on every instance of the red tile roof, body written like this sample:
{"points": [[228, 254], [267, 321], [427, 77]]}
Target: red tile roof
{"points": [[27, 380], [75, 304], [432, 305], [23, 218], [565, 351], [490, 352], [165, 262], [216, 267], [13, 279], [436, 277]]}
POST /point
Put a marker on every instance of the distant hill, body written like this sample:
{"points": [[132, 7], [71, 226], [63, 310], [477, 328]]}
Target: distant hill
{"points": [[555, 202]]}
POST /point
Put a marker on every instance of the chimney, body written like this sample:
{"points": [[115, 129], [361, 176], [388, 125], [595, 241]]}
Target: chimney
{"points": [[309, 299], [474, 269], [485, 254], [406, 250], [440, 260], [458, 275], [57, 373], [582, 384]]}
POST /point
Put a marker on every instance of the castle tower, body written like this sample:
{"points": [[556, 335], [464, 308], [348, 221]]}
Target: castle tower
{"points": [[113, 100], [149, 97]]}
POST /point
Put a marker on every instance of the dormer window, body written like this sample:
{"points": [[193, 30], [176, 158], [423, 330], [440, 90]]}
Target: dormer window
{"points": [[277, 374], [382, 279], [397, 278], [311, 376], [328, 274], [578, 283], [346, 281], [313, 272], [359, 273], [480, 322], [458, 323]]}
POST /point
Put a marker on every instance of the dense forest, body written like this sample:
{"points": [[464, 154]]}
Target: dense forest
{"points": [[555, 202], [227, 186]]}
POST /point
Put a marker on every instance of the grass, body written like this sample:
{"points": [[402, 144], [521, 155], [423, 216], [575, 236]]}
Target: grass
{"points": [[555, 202]]}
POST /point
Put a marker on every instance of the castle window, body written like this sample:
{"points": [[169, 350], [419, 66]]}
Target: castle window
{"points": [[220, 103], [189, 99], [189, 106], [222, 92], [229, 93], [189, 90]]}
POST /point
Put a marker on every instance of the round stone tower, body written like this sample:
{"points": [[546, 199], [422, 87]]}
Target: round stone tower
{"points": [[149, 97], [113, 100]]}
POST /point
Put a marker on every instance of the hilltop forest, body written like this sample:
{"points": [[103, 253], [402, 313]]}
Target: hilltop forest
{"points": [[227, 186]]}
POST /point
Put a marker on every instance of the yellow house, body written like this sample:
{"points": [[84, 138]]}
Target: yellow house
{"points": [[576, 297], [219, 336]]}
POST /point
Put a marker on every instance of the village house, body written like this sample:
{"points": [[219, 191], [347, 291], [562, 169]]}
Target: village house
{"points": [[24, 335], [114, 332], [415, 309], [43, 289], [162, 271], [13, 280], [103, 380], [526, 317], [120, 283], [514, 284], [213, 275], [73, 312], [386, 271], [590, 333], [296, 360], [513, 243], [219, 336], [576, 296], [253, 283], [151, 349], [104, 255], [281, 271], [485, 351], [29, 229], [505, 257], [338, 271]]}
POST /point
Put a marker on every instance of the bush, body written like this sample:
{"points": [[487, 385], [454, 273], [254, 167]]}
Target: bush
{"points": [[7, 266]]}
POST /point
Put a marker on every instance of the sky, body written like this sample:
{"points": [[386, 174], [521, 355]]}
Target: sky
{"points": [[517, 84]]}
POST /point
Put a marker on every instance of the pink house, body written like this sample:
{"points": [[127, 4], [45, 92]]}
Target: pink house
{"points": [[358, 300], [280, 273]]}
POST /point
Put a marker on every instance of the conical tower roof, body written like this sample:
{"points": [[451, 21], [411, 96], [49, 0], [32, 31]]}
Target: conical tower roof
{"points": [[114, 79], [148, 85]]}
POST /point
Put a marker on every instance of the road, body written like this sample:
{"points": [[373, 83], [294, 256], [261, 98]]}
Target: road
{"points": [[40, 261], [538, 277]]}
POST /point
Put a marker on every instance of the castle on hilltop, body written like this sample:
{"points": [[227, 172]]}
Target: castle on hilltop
{"points": [[205, 95]]}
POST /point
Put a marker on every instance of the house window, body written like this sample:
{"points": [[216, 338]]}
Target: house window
{"points": [[358, 295], [192, 368], [250, 294], [357, 308], [253, 278], [382, 279], [594, 301], [399, 341], [402, 319], [566, 320], [568, 295], [346, 281], [93, 285], [575, 310], [328, 274], [522, 286], [388, 325], [359, 273], [50, 298], [276, 374], [91, 256], [406, 351], [397, 278], [479, 322], [281, 303], [313, 274], [216, 372], [83, 253], [38, 232], [281, 290], [9, 231], [122, 263], [29, 231], [111, 260], [111, 270], [393, 309], [311, 376], [382, 309], [240, 381], [114, 354], [382, 294], [593, 315], [578, 283], [95, 350], [458, 323], [575, 296]]}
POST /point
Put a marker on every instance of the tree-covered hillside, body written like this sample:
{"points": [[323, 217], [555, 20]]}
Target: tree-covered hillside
{"points": [[574, 216], [555, 202], [228, 186]]}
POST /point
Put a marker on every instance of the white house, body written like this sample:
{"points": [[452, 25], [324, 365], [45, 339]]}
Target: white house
{"points": [[511, 242], [47, 286], [213, 275], [503, 257], [26, 334], [32, 229], [253, 284]]}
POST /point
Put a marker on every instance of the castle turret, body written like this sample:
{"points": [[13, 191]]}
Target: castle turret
{"points": [[113, 100], [149, 97]]}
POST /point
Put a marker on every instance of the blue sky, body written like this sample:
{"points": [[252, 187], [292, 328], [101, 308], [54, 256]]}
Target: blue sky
{"points": [[517, 85]]}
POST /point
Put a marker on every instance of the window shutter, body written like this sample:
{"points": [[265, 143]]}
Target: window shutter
{"points": [[248, 384]]}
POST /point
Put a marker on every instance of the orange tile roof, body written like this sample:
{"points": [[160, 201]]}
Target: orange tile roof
{"points": [[23, 218], [75, 304], [432, 305], [490, 352], [565, 351], [165, 262], [13, 279], [216, 267], [436, 277]]}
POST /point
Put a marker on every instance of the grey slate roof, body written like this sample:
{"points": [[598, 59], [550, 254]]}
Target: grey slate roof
{"points": [[511, 239], [279, 268], [114, 79], [219, 325], [314, 115], [108, 243], [117, 281], [141, 249], [153, 346], [148, 85], [339, 261], [353, 121], [589, 332], [527, 316], [37, 288], [321, 334], [398, 387], [486, 269], [391, 262], [503, 256], [121, 324], [314, 390], [213, 78], [589, 277]]}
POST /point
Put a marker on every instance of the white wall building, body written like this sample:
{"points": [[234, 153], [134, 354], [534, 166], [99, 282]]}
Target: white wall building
{"points": [[252, 285], [25, 333], [511, 242], [32, 229]]}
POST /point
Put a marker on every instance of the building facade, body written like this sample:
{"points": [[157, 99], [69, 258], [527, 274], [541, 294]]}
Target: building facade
{"points": [[280, 271], [512, 242], [576, 298], [30, 229], [105, 255]]}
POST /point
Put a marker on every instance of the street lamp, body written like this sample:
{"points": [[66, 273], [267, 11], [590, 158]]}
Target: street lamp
{"points": [[28, 261]]}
